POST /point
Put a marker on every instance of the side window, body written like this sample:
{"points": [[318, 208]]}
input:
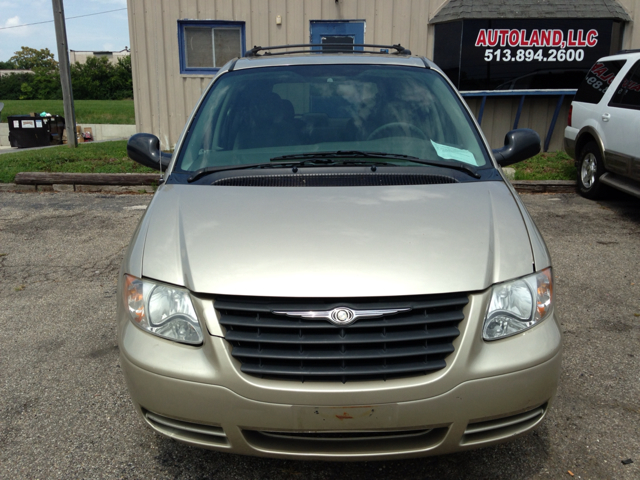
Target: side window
{"points": [[627, 94], [597, 81], [206, 46]]}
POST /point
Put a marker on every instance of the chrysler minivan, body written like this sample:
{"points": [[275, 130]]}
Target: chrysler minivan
{"points": [[334, 267]]}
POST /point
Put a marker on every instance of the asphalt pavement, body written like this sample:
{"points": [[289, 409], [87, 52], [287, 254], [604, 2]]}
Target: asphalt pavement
{"points": [[65, 411]]}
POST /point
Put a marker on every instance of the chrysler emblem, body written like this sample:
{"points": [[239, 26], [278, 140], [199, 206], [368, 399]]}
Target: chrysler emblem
{"points": [[342, 316]]}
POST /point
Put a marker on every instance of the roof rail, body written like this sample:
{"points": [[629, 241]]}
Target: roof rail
{"points": [[335, 48], [636, 50]]}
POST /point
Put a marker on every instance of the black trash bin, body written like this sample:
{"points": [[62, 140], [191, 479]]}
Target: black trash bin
{"points": [[26, 131]]}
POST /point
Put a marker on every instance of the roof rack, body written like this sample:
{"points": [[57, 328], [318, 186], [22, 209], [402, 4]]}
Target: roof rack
{"points": [[334, 48], [636, 50]]}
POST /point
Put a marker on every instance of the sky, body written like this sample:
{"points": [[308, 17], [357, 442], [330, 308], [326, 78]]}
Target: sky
{"points": [[103, 32]]}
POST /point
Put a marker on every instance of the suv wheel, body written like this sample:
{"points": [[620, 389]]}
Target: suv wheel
{"points": [[590, 168]]}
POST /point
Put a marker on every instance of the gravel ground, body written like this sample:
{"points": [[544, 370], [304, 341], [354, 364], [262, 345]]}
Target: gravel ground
{"points": [[65, 411]]}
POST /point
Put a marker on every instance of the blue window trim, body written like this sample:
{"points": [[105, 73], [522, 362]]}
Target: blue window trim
{"points": [[184, 70]]}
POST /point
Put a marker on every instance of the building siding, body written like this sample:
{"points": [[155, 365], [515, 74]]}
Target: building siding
{"points": [[164, 98]]}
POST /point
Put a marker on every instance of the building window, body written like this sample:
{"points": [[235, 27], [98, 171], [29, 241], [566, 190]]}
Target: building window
{"points": [[327, 32], [206, 46]]}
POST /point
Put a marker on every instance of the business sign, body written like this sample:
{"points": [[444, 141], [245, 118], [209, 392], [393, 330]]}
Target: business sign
{"points": [[521, 54]]}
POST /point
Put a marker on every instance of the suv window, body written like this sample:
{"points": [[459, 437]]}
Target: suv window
{"points": [[597, 81], [628, 92]]}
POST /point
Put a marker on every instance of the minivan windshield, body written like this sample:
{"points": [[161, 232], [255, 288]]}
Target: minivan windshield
{"points": [[254, 115]]}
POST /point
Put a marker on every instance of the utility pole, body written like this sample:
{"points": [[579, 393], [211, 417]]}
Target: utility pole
{"points": [[65, 73]]}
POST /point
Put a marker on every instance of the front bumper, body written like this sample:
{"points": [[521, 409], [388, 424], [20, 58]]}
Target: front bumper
{"points": [[474, 414], [488, 393]]}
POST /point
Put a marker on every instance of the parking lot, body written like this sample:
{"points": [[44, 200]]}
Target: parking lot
{"points": [[65, 411]]}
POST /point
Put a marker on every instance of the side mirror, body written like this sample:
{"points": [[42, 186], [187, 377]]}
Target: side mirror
{"points": [[144, 148], [519, 145]]}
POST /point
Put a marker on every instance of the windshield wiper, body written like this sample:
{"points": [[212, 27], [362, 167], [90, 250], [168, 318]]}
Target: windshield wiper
{"points": [[344, 154], [462, 167], [391, 156], [329, 159], [294, 165]]}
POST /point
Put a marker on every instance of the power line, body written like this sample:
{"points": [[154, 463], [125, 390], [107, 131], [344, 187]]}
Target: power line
{"points": [[67, 18]]}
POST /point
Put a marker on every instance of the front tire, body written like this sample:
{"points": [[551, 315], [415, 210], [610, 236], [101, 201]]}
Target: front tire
{"points": [[590, 169]]}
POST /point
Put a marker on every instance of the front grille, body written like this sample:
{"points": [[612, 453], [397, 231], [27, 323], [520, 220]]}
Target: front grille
{"points": [[342, 436], [335, 445], [409, 343], [334, 180]]}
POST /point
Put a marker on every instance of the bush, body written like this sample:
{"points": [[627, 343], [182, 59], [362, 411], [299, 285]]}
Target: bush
{"points": [[42, 85], [11, 85], [98, 79], [123, 79], [91, 80]]}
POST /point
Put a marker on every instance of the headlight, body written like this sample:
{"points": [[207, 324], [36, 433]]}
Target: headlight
{"points": [[163, 310], [518, 305]]}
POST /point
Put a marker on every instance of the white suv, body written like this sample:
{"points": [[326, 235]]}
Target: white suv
{"points": [[603, 132]]}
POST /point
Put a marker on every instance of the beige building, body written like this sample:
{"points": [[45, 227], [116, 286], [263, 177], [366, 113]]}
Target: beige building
{"points": [[81, 56], [483, 46], [11, 72]]}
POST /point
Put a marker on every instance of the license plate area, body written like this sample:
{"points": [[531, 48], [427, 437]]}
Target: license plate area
{"points": [[352, 418]]}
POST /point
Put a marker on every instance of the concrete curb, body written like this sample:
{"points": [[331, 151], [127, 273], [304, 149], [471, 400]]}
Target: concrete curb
{"points": [[64, 188], [57, 178], [544, 186], [521, 186], [83, 182]]}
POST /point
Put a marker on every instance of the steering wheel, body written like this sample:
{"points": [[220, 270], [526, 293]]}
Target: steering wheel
{"points": [[406, 127]]}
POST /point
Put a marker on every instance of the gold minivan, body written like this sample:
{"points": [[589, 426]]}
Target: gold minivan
{"points": [[335, 268]]}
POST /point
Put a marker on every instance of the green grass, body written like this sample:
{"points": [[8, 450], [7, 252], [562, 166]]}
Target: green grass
{"points": [[546, 166], [104, 157], [87, 111]]}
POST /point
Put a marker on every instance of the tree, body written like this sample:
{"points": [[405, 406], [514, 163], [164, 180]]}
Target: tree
{"points": [[30, 58], [45, 82], [7, 66]]}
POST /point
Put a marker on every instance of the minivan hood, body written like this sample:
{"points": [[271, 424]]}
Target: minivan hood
{"points": [[336, 241]]}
